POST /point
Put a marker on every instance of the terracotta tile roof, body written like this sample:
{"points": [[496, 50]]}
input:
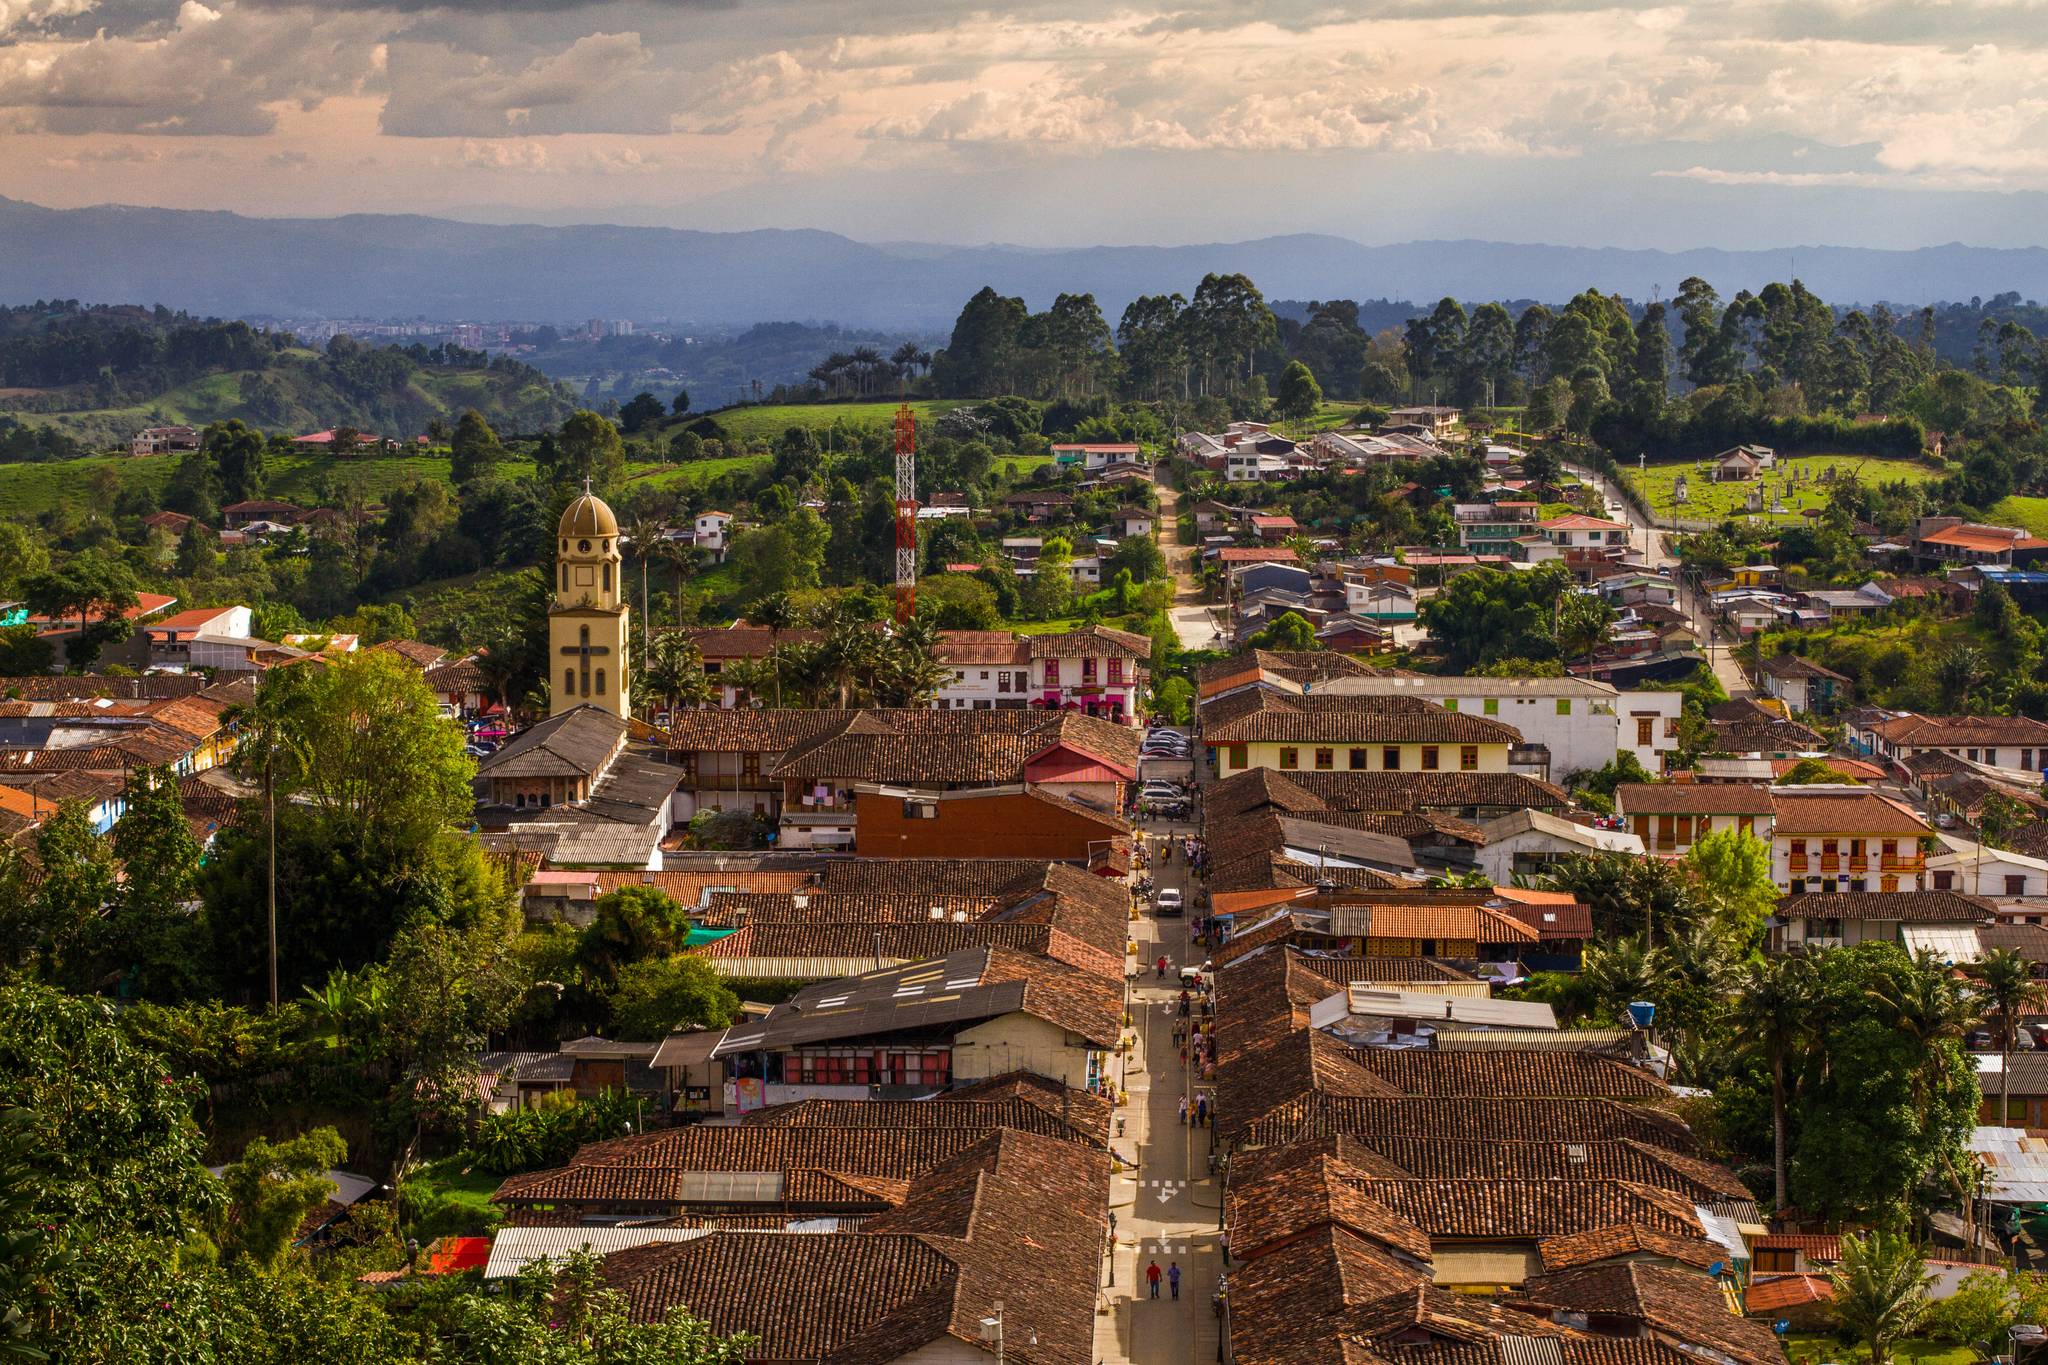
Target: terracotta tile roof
{"points": [[1794, 666], [1863, 812], [1474, 923], [1573, 1351], [1098, 641], [925, 746], [748, 730], [720, 643], [1086, 1124], [1678, 1304], [1324, 718], [1257, 554], [1015, 1217], [647, 1170], [1638, 1163], [908, 942], [1322, 1190], [1342, 971], [1399, 792], [1951, 732], [1691, 798], [1518, 1210], [1287, 1071], [1369, 1118], [418, 653], [995, 647], [87, 686], [1298, 666], [1985, 539], [1581, 1075], [1770, 1295], [1293, 1303], [1906, 907], [1820, 1246], [1628, 1240]]}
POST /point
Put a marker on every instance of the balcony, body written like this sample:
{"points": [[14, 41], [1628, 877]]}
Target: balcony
{"points": [[1798, 862], [1830, 862], [1916, 863]]}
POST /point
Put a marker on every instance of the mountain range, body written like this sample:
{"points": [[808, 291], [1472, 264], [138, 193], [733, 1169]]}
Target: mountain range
{"points": [[377, 265]]}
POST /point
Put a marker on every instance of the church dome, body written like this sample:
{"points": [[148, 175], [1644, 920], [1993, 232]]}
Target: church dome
{"points": [[588, 516]]}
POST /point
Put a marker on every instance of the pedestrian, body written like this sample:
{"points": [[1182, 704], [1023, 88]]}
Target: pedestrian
{"points": [[1172, 1278], [1183, 1108], [1159, 968], [1152, 1277], [1222, 1241], [1202, 1112]]}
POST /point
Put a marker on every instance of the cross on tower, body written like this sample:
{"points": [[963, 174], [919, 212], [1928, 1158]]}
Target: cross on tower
{"points": [[583, 649]]}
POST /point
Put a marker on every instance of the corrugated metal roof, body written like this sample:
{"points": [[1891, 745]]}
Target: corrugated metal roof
{"points": [[1950, 945], [516, 1248]]}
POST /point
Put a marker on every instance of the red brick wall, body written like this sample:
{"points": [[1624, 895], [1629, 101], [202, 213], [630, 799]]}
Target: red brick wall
{"points": [[1005, 826]]}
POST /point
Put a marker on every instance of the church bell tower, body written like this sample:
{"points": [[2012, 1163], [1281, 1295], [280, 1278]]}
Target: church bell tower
{"points": [[587, 627]]}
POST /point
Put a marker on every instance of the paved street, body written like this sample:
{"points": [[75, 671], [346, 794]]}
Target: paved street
{"points": [[1196, 623], [1718, 643], [1167, 1211]]}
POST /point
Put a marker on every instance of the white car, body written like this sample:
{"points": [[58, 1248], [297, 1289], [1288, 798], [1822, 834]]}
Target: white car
{"points": [[1167, 902], [1161, 791]]}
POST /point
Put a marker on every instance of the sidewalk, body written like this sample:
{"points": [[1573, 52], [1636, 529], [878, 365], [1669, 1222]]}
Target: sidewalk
{"points": [[1174, 1204]]}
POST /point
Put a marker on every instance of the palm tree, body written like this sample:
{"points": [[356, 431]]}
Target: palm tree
{"points": [[674, 671], [908, 359], [641, 530], [750, 679], [678, 555], [1930, 1006], [778, 612], [1616, 973], [1777, 999], [1958, 673], [1880, 1291], [2006, 981]]}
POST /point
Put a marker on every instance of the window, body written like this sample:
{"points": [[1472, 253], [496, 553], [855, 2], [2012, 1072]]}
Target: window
{"points": [[600, 682], [1888, 883], [1390, 758], [1358, 760], [1326, 759], [1564, 706], [1685, 829], [1429, 759], [1450, 703], [1645, 730], [1290, 759], [1052, 672], [568, 682], [1088, 669], [750, 765], [1973, 755], [607, 578], [1667, 830], [1491, 706], [1799, 886], [1991, 757], [1116, 671], [1746, 823], [2027, 760], [1944, 881], [2016, 886], [565, 578], [1238, 758], [1468, 758]]}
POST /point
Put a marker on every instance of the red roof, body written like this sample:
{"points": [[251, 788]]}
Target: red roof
{"points": [[1579, 521], [190, 619], [146, 604], [1788, 1291], [1265, 520], [453, 1255], [1256, 554]]}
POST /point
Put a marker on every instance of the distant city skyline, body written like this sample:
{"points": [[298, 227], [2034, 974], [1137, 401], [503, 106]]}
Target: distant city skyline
{"points": [[1741, 124]]}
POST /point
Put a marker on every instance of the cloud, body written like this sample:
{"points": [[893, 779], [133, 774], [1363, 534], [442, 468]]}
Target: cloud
{"points": [[212, 72], [601, 83]]}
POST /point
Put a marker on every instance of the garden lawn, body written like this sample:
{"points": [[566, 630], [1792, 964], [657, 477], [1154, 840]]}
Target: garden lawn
{"points": [[1822, 1349], [1710, 501]]}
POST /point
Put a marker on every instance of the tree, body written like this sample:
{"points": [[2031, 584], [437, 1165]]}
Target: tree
{"points": [[2007, 982], [1299, 395], [474, 450], [237, 452], [73, 898], [1051, 590], [1880, 1291], [641, 411], [198, 552], [1139, 556], [271, 1189], [1808, 771], [194, 487], [657, 996], [631, 924], [1581, 624], [160, 861], [24, 653], [95, 591], [1289, 632], [673, 673], [586, 447], [1778, 1001], [1732, 869], [680, 404], [1628, 895], [460, 988], [980, 358], [957, 602], [1488, 615]]}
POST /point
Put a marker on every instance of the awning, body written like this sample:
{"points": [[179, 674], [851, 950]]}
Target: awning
{"points": [[1949, 945]]}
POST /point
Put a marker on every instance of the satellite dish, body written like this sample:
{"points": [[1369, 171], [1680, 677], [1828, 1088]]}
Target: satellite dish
{"points": [[1716, 1268], [1782, 1326]]}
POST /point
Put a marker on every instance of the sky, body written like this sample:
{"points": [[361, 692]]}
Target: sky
{"points": [[1717, 123]]}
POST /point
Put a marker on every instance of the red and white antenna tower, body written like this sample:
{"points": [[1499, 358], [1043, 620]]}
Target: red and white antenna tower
{"points": [[906, 514]]}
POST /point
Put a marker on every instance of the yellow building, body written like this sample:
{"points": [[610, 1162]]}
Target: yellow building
{"points": [[587, 625], [1323, 732]]}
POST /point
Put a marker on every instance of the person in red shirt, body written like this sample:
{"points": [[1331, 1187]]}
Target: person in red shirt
{"points": [[1152, 1278]]}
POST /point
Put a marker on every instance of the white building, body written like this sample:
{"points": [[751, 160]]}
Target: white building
{"points": [[1583, 724], [171, 637], [1525, 843], [1978, 870]]}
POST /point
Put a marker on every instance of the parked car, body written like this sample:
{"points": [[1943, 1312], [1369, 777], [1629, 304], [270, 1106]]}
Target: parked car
{"points": [[1156, 790], [1168, 904]]}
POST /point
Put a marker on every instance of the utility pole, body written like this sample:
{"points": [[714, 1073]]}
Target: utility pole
{"points": [[270, 802]]}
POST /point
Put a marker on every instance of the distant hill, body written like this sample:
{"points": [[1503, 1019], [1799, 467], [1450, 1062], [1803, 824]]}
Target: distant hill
{"points": [[391, 265]]}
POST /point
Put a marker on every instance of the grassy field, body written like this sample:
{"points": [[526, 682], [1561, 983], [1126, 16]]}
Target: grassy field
{"points": [[1817, 1348], [770, 420], [2029, 514], [1710, 501]]}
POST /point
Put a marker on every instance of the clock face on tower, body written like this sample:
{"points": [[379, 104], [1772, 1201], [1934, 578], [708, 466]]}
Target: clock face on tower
{"points": [[588, 625]]}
